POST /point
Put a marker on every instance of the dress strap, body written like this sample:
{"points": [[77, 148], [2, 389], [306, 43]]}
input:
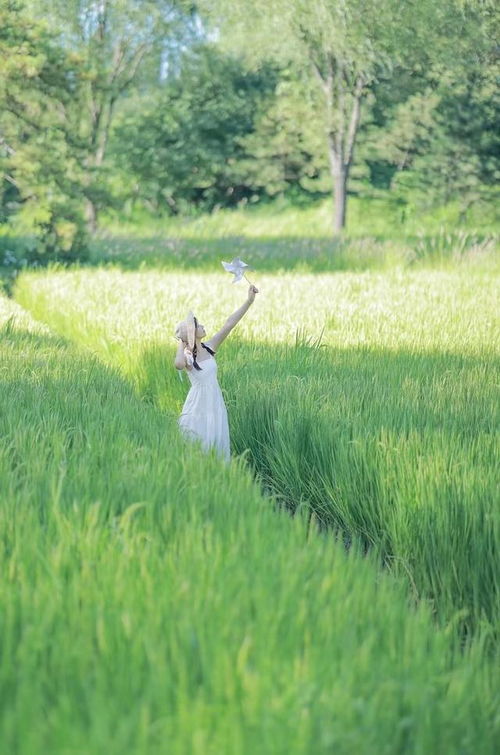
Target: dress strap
{"points": [[208, 349]]}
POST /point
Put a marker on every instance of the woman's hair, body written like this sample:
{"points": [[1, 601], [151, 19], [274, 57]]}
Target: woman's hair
{"points": [[195, 349], [195, 363]]}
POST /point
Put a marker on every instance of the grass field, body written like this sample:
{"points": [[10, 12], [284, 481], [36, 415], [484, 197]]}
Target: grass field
{"points": [[379, 217], [158, 601], [300, 239]]}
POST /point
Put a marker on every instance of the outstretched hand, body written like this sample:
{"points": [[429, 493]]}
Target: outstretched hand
{"points": [[252, 290]]}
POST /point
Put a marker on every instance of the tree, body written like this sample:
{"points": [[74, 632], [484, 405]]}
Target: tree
{"points": [[442, 140], [39, 150], [112, 40], [345, 48], [181, 145], [283, 154]]}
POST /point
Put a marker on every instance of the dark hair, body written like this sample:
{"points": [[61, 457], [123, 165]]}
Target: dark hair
{"points": [[195, 349]]}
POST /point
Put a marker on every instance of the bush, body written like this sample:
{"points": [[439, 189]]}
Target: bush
{"points": [[51, 230]]}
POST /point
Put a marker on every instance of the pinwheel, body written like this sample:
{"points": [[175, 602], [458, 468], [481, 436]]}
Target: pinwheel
{"points": [[237, 267]]}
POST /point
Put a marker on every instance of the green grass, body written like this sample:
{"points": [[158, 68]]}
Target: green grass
{"points": [[380, 216], [388, 432], [155, 600], [300, 239], [276, 238], [152, 601], [316, 255]]}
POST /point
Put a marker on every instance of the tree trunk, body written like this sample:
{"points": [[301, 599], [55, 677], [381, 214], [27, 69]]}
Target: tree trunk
{"points": [[339, 172], [91, 216], [341, 135], [340, 200]]}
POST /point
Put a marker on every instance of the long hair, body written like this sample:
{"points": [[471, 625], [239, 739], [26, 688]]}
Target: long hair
{"points": [[195, 348]]}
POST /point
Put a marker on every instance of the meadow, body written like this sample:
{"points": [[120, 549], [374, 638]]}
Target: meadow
{"points": [[381, 217], [336, 588], [377, 237]]}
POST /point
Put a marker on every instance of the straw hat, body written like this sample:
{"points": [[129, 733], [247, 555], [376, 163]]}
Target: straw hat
{"points": [[186, 330]]}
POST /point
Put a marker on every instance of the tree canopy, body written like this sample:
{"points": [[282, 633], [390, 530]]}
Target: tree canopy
{"points": [[180, 109]]}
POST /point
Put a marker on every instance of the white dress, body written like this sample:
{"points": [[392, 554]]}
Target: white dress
{"points": [[204, 414]]}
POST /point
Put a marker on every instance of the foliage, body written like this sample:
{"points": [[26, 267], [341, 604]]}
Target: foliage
{"points": [[345, 49], [41, 154], [443, 140], [284, 154], [130, 107], [182, 146], [58, 95]]}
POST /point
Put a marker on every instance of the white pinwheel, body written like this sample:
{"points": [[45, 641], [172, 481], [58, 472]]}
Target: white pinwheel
{"points": [[237, 267]]}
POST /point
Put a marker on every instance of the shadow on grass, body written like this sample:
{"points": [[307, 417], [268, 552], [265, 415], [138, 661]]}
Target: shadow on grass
{"points": [[313, 254], [266, 254], [291, 253]]}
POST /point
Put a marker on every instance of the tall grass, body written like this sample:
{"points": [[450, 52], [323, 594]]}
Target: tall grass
{"points": [[389, 433], [152, 601], [382, 217], [443, 250], [276, 240]]}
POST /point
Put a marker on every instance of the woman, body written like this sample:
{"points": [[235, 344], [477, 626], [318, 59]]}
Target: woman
{"points": [[204, 414]]}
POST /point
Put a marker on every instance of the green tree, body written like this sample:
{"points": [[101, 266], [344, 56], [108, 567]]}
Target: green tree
{"points": [[39, 152], [442, 141], [283, 154], [112, 40], [182, 145], [346, 48]]}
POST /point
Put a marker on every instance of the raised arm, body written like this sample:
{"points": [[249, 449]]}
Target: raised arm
{"points": [[233, 320]]}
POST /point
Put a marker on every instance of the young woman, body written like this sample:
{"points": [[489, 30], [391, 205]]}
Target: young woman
{"points": [[204, 414]]}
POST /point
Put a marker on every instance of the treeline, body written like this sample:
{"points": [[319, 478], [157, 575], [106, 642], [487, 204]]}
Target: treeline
{"points": [[178, 107]]}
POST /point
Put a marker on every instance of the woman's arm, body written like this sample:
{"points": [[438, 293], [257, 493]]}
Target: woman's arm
{"points": [[184, 357], [233, 320]]}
